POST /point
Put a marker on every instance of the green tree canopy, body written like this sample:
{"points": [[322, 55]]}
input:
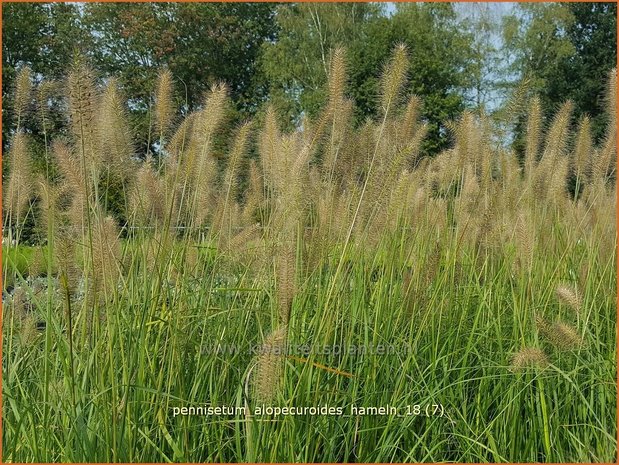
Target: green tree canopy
{"points": [[566, 51], [297, 63], [201, 43], [42, 36], [282, 53]]}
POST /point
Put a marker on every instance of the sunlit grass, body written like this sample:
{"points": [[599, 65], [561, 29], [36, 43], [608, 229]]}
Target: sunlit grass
{"points": [[473, 292]]}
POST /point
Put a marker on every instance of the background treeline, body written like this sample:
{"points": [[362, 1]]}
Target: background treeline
{"points": [[462, 56]]}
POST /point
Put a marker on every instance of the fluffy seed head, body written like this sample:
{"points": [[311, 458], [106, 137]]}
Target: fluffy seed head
{"points": [[561, 335], [611, 97], [164, 107], [393, 78], [20, 183], [558, 135], [147, 199], [65, 257], [337, 75], [269, 366], [106, 255], [23, 87], [269, 146], [534, 127], [528, 357], [569, 296], [583, 149], [82, 100], [115, 141], [45, 92], [207, 122], [565, 336]]}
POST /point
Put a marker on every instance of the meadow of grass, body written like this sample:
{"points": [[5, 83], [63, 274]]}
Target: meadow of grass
{"points": [[493, 276]]}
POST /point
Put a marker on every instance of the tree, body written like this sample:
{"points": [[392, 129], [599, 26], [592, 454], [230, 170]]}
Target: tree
{"points": [[565, 50], [487, 78], [42, 36], [593, 35], [297, 63], [200, 43], [440, 63]]}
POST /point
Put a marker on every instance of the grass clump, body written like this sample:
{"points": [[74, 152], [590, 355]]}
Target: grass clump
{"points": [[328, 266]]}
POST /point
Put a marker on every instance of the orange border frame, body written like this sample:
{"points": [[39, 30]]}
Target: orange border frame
{"points": [[328, 1]]}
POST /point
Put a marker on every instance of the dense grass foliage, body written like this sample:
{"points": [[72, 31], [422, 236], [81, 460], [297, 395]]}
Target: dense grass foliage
{"points": [[480, 287]]}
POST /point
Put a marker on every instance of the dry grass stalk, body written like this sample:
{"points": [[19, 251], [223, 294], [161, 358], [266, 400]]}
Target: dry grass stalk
{"points": [[106, 257], [286, 280], [45, 93], [534, 129], [569, 296], [66, 259], [115, 140], [82, 100], [561, 335], [582, 152], [20, 183], [528, 357], [269, 366], [164, 106], [394, 77], [147, 201], [23, 90]]}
